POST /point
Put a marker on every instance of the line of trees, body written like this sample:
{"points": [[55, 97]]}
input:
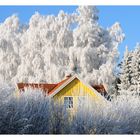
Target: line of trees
{"points": [[61, 44]]}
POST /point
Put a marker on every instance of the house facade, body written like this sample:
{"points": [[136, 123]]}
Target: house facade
{"points": [[71, 92]]}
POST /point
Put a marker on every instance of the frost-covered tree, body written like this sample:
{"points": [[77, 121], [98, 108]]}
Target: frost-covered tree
{"points": [[130, 72], [94, 53], [44, 48], [10, 40], [135, 80], [51, 47], [126, 73]]}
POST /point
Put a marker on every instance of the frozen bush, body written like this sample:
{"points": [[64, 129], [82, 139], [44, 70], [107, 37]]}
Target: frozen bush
{"points": [[30, 113], [33, 113]]}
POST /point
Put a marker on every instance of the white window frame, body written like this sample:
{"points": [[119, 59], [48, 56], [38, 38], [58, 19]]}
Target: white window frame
{"points": [[70, 103]]}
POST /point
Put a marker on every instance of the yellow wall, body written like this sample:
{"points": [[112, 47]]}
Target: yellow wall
{"points": [[76, 88]]}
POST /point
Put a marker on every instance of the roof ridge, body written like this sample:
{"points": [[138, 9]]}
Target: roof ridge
{"points": [[58, 85]]}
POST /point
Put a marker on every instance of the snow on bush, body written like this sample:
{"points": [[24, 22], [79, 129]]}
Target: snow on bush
{"points": [[32, 113], [61, 44]]}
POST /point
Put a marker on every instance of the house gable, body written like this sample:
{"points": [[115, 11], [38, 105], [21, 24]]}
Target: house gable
{"points": [[76, 87], [73, 79]]}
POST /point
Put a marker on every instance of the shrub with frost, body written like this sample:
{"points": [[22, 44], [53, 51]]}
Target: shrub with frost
{"points": [[120, 116], [32, 113], [29, 113]]}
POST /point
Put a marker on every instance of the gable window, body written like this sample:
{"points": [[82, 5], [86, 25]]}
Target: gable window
{"points": [[68, 102]]}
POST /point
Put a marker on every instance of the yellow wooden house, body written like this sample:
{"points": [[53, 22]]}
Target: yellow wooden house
{"points": [[70, 92]]}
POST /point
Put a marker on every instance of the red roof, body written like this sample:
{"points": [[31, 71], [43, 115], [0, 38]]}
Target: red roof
{"points": [[47, 88], [58, 85], [50, 88]]}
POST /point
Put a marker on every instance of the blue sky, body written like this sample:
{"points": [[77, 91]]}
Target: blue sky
{"points": [[128, 16]]}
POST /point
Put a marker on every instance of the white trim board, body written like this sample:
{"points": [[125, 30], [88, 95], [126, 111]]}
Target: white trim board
{"points": [[62, 86]]}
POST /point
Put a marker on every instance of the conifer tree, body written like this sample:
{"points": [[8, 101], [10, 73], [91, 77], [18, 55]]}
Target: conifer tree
{"points": [[135, 75], [126, 73]]}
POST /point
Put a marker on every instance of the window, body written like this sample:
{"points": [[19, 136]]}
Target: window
{"points": [[68, 102]]}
